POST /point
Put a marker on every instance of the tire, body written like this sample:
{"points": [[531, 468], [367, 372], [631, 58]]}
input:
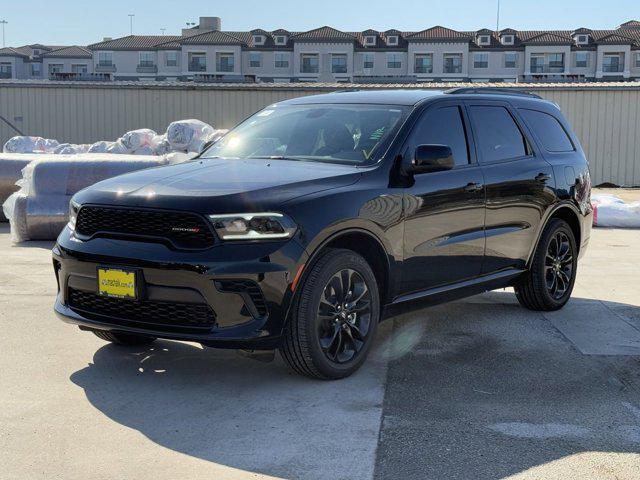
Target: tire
{"points": [[120, 338], [317, 328], [534, 291]]}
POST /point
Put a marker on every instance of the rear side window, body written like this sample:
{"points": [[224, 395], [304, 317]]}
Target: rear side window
{"points": [[499, 138], [549, 131], [443, 126]]}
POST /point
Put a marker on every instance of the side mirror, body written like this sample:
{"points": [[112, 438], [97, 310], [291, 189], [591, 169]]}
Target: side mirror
{"points": [[430, 158]]}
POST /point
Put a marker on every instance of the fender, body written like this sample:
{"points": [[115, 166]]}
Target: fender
{"points": [[545, 220]]}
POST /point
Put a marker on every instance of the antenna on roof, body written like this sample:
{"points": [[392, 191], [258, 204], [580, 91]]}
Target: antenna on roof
{"points": [[163, 30], [498, 18], [3, 22]]}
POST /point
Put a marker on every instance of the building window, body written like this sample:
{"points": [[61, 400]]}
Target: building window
{"points": [[394, 60], [370, 40], [55, 68], [613, 62], [197, 62], [281, 60], [225, 62], [424, 63], [105, 59], [537, 63], [368, 60], [510, 60], [392, 40], [637, 60], [146, 59], [255, 59], [338, 63], [79, 68], [480, 60], [36, 52], [556, 62], [582, 39], [36, 69], [258, 39], [309, 63], [280, 40], [484, 40], [452, 62], [507, 39], [5, 70], [171, 59], [582, 59]]}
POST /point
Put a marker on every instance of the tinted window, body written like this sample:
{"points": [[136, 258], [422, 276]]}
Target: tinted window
{"points": [[499, 138], [549, 130], [442, 126]]}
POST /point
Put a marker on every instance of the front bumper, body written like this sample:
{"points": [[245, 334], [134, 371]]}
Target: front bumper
{"points": [[247, 287]]}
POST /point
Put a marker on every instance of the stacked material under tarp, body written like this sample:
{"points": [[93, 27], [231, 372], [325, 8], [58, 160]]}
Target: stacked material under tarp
{"points": [[612, 211], [40, 209], [11, 165]]}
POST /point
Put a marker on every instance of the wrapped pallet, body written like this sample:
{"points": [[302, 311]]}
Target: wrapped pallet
{"points": [[38, 211], [11, 166]]}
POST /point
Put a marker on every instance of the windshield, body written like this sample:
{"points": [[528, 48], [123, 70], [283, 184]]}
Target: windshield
{"points": [[352, 134]]}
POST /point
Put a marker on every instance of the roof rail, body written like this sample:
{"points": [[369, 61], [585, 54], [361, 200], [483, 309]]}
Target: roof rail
{"points": [[491, 91]]}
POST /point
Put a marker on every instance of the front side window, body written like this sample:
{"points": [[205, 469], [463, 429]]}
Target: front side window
{"points": [[336, 133], [368, 60], [281, 60], [424, 63], [255, 59], [171, 59], [105, 59], [338, 63], [146, 59], [394, 60], [498, 136], [480, 60], [225, 62], [510, 60], [309, 63], [442, 126], [452, 62], [549, 131], [582, 59]]}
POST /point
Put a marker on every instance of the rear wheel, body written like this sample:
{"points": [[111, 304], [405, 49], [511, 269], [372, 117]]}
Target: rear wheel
{"points": [[120, 338], [334, 318], [548, 284]]}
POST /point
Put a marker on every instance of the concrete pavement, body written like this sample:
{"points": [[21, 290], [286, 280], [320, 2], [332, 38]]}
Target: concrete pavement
{"points": [[475, 389]]}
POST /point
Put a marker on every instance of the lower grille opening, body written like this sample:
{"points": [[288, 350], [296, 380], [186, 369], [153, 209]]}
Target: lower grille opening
{"points": [[162, 316], [250, 292]]}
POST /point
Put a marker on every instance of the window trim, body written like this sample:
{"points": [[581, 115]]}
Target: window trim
{"points": [[310, 54], [520, 125], [504, 59], [285, 55], [280, 39], [483, 54], [395, 42], [504, 40]]}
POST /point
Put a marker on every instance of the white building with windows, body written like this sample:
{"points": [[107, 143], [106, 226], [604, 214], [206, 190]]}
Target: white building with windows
{"points": [[208, 53]]}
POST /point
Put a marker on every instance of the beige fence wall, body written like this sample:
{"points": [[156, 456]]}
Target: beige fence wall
{"points": [[606, 119]]}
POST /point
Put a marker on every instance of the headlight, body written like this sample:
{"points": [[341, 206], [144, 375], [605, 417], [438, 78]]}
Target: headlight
{"points": [[73, 214], [253, 226]]}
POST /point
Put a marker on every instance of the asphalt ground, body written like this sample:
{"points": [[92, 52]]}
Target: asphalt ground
{"points": [[475, 389]]}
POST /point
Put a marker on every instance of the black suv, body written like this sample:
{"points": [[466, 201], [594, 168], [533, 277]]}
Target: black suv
{"points": [[318, 216]]}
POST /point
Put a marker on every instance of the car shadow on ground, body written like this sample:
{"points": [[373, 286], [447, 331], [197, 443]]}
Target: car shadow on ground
{"points": [[478, 389]]}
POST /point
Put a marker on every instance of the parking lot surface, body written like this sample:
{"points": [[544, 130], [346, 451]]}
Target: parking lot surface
{"points": [[479, 388]]}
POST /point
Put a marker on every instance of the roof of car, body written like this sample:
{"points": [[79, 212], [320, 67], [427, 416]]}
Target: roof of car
{"points": [[380, 97]]}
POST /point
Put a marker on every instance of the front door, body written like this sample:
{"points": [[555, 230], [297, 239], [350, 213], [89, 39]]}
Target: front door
{"points": [[444, 211]]}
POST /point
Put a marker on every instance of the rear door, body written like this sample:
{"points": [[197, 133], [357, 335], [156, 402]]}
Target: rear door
{"points": [[519, 183], [444, 211]]}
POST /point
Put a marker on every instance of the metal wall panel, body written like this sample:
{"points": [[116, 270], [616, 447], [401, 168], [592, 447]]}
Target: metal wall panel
{"points": [[606, 119]]}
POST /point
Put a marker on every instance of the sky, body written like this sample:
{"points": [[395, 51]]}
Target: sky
{"points": [[65, 22]]}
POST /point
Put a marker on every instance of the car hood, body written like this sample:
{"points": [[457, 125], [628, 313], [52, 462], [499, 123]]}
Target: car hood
{"points": [[219, 185]]}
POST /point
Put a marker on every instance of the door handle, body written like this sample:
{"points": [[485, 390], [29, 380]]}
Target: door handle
{"points": [[543, 178], [472, 187]]}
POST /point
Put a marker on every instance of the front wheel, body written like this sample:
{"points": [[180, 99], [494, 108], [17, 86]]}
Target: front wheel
{"points": [[548, 284], [334, 317]]}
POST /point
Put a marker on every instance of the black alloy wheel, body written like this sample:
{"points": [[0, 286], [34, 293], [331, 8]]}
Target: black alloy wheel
{"points": [[558, 265], [344, 316]]}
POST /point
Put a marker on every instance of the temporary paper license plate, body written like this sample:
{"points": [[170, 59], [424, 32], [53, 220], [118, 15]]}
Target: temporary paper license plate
{"points": [[116, 283]]}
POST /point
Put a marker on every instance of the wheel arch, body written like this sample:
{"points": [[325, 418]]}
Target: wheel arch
{"points": [[565, 211]]}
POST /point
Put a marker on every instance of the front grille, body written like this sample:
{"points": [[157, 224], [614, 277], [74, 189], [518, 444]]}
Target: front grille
{"points": [[250, 292], [181, 229], [166, 316]]}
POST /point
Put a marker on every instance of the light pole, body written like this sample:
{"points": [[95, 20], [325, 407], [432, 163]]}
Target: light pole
{"points": [[498, 18], [3, 22], [131, 15]]}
